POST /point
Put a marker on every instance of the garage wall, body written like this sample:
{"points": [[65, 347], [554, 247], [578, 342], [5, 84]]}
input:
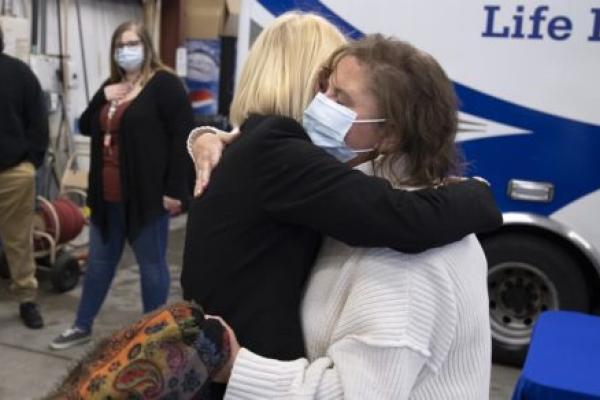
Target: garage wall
{"points": [[99, 18]]}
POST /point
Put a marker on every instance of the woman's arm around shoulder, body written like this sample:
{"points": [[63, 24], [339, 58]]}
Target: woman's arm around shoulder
{"points": [[300, 183]]}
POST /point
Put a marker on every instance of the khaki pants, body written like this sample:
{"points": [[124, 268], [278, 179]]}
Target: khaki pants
{"points": [[17, 196]]}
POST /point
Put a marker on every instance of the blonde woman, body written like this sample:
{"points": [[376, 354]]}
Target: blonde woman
{"points": [[137, 121], [253, 235]]}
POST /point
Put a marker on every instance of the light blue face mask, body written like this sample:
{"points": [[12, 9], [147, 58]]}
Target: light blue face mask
{"points": [[327, 124], [130, 58]]}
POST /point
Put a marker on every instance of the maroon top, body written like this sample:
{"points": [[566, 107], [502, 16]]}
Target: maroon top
{"points": [[111, 179]]}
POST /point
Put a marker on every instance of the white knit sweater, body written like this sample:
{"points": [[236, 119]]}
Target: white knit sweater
{"points": [[379, 324], [384, 325]]}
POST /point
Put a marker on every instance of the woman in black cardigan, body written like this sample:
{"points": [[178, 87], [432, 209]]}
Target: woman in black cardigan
{"points": [[137, 121]]}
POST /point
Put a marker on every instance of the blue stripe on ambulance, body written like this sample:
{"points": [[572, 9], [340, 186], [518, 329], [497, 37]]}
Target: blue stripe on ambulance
{"points": [[559, 150]]}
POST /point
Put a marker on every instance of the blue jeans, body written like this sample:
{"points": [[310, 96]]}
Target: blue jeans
{"points": [[149, 247]]}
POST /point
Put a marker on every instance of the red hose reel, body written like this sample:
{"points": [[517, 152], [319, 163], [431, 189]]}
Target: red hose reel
{"points": [[62, 219]]}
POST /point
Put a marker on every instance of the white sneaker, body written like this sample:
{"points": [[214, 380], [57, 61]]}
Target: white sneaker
{"points": [[71, 337]]}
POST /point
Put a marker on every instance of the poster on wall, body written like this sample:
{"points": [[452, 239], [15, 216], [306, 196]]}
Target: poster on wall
{"points": [[203, 67]]}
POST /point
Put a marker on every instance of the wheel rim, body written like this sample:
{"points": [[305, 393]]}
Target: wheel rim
{"points": [[65, 274], [518, 292], [70, 276]]}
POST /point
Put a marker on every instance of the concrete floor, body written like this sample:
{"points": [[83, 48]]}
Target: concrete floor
{"points": [[29, 368]]}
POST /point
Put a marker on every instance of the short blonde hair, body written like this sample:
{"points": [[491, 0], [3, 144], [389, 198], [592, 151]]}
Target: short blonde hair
{"points": [[279, 76]]}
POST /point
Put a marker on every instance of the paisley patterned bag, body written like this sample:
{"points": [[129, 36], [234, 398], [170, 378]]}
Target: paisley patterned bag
{"points": [[168, 354]]}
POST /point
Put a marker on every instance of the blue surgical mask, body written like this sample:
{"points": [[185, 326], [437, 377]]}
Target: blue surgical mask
{"points": [[130, 58], [327, 123]]}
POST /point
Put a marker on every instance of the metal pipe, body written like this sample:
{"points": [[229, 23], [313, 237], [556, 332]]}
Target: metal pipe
{"points": [[83, 58], [34, 26], [43, 26]]}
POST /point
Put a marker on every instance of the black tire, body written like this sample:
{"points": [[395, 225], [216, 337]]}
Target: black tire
{"points": [[526, 276], [4, 270], [65, 272]]}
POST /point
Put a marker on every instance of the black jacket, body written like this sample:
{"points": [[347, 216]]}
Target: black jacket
{"points": [[153, 159], [253, 236], [23, 117]]}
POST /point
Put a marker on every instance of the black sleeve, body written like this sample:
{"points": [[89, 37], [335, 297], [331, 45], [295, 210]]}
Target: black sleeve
{"points": [[36, 119], [301, 184], [176, 112], [86, 120]]}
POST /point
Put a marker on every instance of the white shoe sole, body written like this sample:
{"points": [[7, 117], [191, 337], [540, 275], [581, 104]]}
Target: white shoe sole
{"points": [[73, 343]]}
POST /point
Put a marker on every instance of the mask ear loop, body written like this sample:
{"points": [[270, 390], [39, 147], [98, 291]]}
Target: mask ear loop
{"points": [[368, 121], [362, 151]]}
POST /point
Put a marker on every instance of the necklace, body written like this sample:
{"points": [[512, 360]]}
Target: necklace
{"points": [[112, 109]]}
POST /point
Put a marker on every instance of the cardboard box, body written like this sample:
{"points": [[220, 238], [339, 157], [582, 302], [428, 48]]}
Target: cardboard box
{"points": [[232, 19], [203, 19], [209, 19]]}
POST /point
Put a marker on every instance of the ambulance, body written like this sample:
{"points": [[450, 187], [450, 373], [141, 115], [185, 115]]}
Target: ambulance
{"points": [[526, 74]]}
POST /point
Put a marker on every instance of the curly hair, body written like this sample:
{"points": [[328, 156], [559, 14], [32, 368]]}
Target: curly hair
{"points": [[417, 99]]}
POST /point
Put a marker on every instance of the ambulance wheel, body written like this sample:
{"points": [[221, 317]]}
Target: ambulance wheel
{"points": [[65, 272], [528, 275]]}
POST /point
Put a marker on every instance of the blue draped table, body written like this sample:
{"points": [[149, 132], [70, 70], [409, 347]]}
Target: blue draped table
{"points": [[563, 361]]}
